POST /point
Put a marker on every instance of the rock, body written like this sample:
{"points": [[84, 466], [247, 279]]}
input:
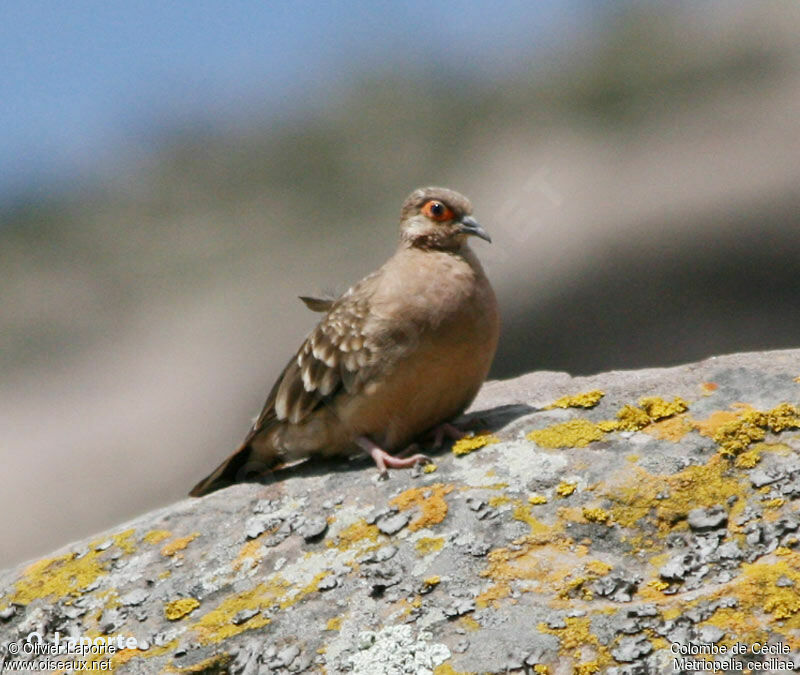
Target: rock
{"points": [[313, 528], [385, 575], [394, 523], [704, 519]]}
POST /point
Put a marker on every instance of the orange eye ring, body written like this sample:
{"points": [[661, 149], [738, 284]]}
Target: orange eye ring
{"points": [[436, 210]]}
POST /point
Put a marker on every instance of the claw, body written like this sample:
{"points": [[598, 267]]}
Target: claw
{"points": [[383, 459]]}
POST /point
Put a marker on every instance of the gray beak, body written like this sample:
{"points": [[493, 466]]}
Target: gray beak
{"points": [[471, 226]]}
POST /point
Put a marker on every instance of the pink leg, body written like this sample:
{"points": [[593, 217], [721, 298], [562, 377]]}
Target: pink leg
{"points": [[446, 430], [383, 459]]}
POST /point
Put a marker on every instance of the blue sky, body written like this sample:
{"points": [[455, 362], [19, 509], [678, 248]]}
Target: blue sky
{"points": [[83, 79]]}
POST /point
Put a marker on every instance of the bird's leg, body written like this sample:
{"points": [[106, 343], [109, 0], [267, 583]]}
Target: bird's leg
{"points": [[447, 430], [383, 459]]}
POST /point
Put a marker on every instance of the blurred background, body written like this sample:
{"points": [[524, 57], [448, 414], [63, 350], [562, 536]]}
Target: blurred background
{"points": [[174, 175]]}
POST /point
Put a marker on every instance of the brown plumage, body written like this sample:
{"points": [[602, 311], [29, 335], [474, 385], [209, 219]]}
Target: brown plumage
{"points": [[402, 352]]}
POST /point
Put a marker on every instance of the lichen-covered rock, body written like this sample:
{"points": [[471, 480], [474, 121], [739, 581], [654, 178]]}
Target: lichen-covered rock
{"points": [[630, 522]]}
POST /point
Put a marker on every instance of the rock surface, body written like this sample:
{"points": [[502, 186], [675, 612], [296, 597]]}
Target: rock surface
{"points": [[629, 522]]}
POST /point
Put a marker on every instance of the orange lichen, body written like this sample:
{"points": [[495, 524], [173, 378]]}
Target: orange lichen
{"points": [[588, 399], [429, 500], [708, 427], [172, 547], [670, 429]]}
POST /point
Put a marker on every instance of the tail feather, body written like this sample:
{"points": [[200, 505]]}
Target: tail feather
{"points": [[240, 467]]}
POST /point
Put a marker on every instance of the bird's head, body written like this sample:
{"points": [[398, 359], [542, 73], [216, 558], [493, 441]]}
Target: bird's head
{"points": [[438, 218]]}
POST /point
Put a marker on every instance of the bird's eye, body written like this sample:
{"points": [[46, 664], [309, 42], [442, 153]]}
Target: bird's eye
{"points": [[437, 211]]}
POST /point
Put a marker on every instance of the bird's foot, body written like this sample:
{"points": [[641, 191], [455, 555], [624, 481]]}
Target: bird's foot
{"points": [[447, 430], [383, 459]]}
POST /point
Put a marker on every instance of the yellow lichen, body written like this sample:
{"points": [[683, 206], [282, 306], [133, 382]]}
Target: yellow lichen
{"points": [[469, 622], [657, 408], [578, 642], [218, 624], [757, 588], [123, 656], [469, 444], [522, 512], [598, 567], [430, 501], [428, 545], [67, 574], [774, 503], [750, 426], [499, 500], [588, 399], [252, 550], [564, 489], [596, 515], [537, 499], [430, 582], [430, 467], [446, 669], [156, 536], [667, 500], [213, 664], [334, 623], [179, 608], [493, 595], [171, 548], [123, 541], [631, 418], [747, 460], [541, 669], [357, 532], [577, 433]]}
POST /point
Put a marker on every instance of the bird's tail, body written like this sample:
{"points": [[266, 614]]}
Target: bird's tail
{"points": [[242, 466]]}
